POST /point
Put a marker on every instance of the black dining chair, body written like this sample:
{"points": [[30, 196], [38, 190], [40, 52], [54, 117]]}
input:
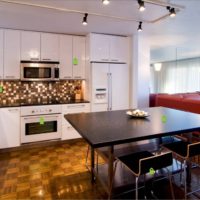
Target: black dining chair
{"points": [[184, 151], [143, 162]]}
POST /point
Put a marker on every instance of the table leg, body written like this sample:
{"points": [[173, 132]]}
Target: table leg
{"points": [[110, 165], [92, 164]]}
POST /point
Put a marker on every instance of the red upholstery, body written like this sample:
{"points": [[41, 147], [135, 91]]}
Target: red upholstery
{"points": [[186, 101]]}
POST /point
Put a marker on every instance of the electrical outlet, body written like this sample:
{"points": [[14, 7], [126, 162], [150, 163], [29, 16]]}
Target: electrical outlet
{"points": [[1, 88]]}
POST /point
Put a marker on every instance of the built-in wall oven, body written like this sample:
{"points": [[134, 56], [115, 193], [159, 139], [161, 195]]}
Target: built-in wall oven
{"points": [[39, 123]]}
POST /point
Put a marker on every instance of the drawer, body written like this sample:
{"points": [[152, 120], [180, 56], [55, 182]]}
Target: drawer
{"points": [[75, 108]]}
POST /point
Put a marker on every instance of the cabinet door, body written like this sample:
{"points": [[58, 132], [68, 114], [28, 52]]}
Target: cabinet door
{"points": [[118, 49], [120, 86], [68, 132], [65, 56], [30, 45], [49, 47], [99, 47], [78, 57], [10, 127], [1, 54], [11, 54]]}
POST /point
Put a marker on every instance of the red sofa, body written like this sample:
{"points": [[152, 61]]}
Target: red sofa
{"points": [[182, 101]]}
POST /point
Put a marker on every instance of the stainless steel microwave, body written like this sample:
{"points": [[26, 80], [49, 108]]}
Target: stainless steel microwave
{"points": [[39, 71]]}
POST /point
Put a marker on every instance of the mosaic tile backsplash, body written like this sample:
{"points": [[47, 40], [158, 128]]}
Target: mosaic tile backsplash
{"points": [[39, 92]]}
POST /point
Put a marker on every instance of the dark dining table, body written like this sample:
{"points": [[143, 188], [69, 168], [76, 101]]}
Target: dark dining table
{"points": [[110, 128]]}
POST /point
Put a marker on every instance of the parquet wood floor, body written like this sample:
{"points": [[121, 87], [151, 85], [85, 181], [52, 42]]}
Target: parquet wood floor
{"points": [[52, 172]]}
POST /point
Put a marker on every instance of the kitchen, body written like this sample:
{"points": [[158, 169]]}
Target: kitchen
{"points": [[47, 74]]}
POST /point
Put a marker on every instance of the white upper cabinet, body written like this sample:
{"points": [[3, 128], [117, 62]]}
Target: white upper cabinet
{"points": [[118, 49], [72, 57], [49, 47], [11, 54], [78, 57], [1, 54], [30, 45], [65, 57], [108, 48], [99, 47]]}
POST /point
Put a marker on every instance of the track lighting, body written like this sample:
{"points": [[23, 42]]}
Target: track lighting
{"points": [[105, 2], [141, 5], [171, 11], [85, 19], [140, 27]]}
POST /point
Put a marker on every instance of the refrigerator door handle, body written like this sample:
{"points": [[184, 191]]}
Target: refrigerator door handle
{"points": [[108, 81], [110, 91]]}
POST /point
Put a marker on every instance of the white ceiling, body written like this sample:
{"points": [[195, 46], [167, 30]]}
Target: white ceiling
{"points": [[183, 30]]}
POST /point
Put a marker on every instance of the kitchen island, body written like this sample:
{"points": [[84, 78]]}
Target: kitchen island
{"points": [[107, 129]]}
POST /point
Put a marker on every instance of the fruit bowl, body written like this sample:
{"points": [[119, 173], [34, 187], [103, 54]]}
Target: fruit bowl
{"points": [[137, 113]]}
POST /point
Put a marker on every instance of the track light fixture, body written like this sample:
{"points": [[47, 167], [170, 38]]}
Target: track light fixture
{"points": [[140, 27], [141, 5], [172, 11], [105, 2], [85, 19]]}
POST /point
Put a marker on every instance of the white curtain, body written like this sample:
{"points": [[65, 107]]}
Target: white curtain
{"points": [[176, 76]]}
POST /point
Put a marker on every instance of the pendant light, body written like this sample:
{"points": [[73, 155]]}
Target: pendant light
{"points": [[157, 66]]}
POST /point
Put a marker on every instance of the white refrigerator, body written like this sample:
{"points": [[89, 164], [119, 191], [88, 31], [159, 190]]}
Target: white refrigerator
{"points": [[110, 87]]}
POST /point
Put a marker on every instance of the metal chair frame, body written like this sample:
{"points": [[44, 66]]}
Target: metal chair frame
{"points": [[138, 175], [184, 160]]}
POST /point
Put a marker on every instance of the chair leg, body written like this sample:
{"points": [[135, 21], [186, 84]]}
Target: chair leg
{"points": [[111, 186], [170, 182], [185, 179], [136, 187], [181, 174]]}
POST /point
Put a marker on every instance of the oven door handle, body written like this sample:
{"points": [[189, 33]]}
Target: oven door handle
{"points": [[38, 117]]}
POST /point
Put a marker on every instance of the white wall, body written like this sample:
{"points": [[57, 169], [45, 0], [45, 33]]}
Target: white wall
{"points": [[140, 71]]}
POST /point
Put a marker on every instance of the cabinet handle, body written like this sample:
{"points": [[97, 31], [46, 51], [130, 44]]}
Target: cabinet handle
{"points": [[10, 76], [114, 60], [13, 110], [67, 77], [46, 59], [105, 59], [76, 106], [34, 58], [69, 127], [77, 77]]}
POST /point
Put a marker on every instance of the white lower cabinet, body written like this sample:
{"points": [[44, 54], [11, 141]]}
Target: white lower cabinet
{"points": [[68, 132], [10, 127]]}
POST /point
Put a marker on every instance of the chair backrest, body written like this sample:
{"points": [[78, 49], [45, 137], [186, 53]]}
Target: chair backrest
{"points": [[193, 149], [155, 162]]}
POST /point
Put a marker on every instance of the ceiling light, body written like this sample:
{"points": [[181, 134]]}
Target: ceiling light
{"points": [[85, 19], [105, 2], [157, 66], [172, 12], [141, 5], [140, 27]]}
